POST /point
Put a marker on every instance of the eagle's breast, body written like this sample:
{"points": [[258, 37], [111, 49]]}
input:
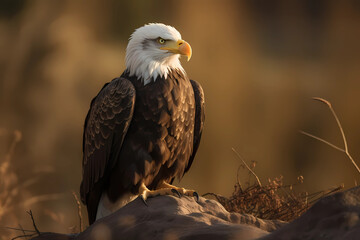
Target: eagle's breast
{"points": [[159, 141]]}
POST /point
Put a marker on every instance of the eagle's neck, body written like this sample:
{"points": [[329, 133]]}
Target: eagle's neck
{"points": [[147, 70]]}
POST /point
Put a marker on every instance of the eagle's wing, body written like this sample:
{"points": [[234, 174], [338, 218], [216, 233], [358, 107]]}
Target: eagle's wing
{"points": [[105, 128], [199, 119]]}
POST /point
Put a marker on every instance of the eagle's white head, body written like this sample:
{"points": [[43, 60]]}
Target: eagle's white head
{"points": [[154, 50]]}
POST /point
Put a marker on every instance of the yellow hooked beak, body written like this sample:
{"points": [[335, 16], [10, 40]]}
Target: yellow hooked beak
{"points": [[179, 47]]}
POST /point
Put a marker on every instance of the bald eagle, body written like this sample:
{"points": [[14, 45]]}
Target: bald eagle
{"points": [[143, 128]]}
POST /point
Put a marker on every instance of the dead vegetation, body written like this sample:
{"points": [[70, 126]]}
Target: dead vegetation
{"points": [[276, 200], [26, 233], [10, 192], [15, 196], [272, 200]]}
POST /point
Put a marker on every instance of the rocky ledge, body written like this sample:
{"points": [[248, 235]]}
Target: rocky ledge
{"points": [[171, 218]]}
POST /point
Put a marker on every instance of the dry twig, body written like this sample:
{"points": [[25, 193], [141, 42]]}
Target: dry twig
{"points": [[26, 233], [345, 149], [22, 229], [33, 221], [250, 170], [237, 178], [23, 236]]}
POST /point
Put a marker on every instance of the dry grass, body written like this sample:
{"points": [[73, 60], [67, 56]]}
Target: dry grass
{"points": [[10, 193], [16, 199], [11, 197], [275, 200]]}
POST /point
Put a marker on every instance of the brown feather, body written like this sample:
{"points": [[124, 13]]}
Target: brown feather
{"points": [[150, 136]]}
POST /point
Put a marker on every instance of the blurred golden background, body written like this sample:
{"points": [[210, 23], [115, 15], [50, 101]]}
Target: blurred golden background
{"points": [[259, 63]]}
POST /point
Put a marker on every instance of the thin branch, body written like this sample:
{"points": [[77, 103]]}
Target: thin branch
{"points": [[24, 236], [250, 170], [353, 162], [79, 210], [33, 221], [336, 118], [22, 229], [322, 140], [32, 233], [238, 180], [346, 149]]}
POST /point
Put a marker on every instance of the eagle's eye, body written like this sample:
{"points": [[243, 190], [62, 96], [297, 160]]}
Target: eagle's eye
{"points": [[161, 41]]}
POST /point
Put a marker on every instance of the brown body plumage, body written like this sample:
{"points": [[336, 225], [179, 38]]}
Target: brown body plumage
{"points": [[136, 133]]}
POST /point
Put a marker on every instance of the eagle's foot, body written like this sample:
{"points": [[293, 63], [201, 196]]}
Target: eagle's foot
{"points": [[180, 191], [145, 193]]}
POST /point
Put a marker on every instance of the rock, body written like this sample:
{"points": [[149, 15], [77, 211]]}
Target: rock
{"points": [[332, 218], [172, 218]]}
